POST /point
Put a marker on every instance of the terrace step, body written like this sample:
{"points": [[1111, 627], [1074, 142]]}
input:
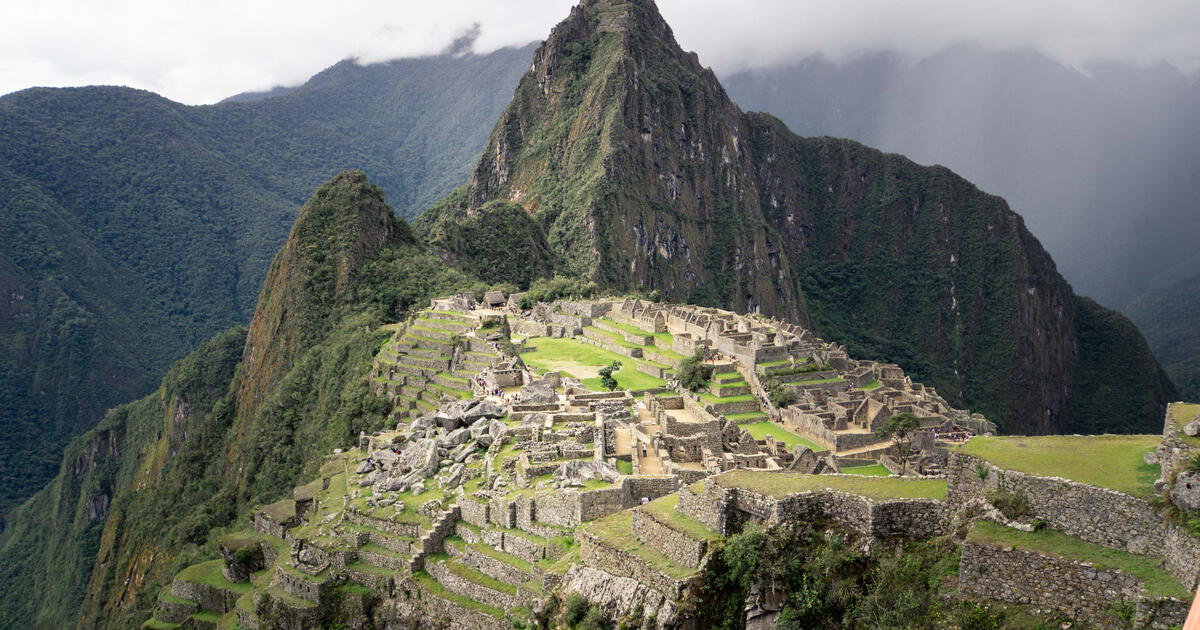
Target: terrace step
{"points": [[469, 582]]}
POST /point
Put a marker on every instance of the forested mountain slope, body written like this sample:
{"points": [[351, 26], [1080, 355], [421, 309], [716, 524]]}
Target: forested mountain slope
{"points": [[132, 228]]}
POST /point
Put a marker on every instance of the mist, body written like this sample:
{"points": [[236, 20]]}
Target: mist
{"points": [[202, 52]]}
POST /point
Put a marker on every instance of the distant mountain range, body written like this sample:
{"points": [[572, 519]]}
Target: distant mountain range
{"points": [[132, 228]]}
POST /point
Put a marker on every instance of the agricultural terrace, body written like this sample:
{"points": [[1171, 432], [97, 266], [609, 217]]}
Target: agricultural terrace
{"points": [[1107, 461]]}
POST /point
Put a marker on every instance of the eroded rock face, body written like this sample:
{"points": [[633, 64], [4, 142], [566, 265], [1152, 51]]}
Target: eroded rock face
{"points": [[620, 596], [1186, 492]]}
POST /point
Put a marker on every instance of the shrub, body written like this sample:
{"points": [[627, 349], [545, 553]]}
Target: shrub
{"points": [[576, 609], [693, 373], [595, 619], [1194, 464], [1012, 505], [607, 381], [981, 471], [780, 395]]}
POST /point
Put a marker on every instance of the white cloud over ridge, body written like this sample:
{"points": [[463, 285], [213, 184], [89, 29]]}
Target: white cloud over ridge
{"points": [[200, 52]]}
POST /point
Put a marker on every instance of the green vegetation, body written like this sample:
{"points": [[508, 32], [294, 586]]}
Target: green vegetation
{"points": [[831, 585], [693, 373], [617, 531], [1169, 318], [1157, 582], [625, 467], [780, 395], [665, 510], [874, 488], [581, 360], [871, 470], [135, 228], [716, 400], [606, 376], [760, 430], [871, 386], [1108, 461], [433, 586], [1181, 414]]}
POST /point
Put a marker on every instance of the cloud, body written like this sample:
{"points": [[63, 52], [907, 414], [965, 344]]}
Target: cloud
{"points": [[200, 52]]}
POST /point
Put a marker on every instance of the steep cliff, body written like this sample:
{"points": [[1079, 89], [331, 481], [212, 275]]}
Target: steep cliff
{"points": [[643, 175], [235, 424]]}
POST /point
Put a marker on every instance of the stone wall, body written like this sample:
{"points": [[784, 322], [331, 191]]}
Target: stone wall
{"points": [[416, 605], [474, 511], [594, 553], [1078, 589], [208, 597], [404, 530], [456, 584], [1099, 515], [672, 543]]}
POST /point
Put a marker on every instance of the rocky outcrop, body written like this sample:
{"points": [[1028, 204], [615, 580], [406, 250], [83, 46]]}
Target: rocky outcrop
{"points": [[620, 596]]}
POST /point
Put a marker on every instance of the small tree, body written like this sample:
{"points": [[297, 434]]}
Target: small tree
{"points": [[780, 395], [897, 428], [693, 373], [607, 381]]}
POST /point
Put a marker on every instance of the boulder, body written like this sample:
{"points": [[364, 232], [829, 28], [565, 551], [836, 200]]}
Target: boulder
{"points": [[578, 471], [449, 423], [456, 437], [485, 409], [1150, 458], [365, 467], [1192, 428], [1185, 494]]}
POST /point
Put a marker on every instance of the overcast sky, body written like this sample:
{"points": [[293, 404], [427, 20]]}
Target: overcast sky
{"points": [[202, 51]]}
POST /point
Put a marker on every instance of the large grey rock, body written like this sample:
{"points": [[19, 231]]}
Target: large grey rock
{"points": [[540, 392], [420, 424], [1185, 494], [448, 422], [485, 409], [456, 437], [620, 596], [579, 471], [1192, 428], [365, 467]]}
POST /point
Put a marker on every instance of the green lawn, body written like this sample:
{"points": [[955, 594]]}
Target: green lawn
{"points": [[210, 573], [871, 386], [745, 417], [1108, 461], [871, 470], [1181, 414], [581, 360], [1157, 582], [664, 510], [875, 488], [760, 430], [709, 398], [617, 531], [625, 467]]}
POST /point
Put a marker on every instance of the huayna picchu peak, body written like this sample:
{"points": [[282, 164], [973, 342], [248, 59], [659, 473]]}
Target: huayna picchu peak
{"points": [[658, 363], [640, 173]]}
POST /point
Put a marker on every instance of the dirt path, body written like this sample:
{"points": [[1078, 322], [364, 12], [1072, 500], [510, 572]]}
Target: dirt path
{"points": [[650, 464]]}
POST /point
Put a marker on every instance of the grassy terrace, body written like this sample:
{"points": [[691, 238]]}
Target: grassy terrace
{"points": [[1181, 414], [780, 485], [1108, 461], [760, 430], [583, 361], [629, 328], [1157, 582], [870, 386], [616, 531], [709, 398], [872, 470], [430, 585], [210, 573], [664, 510]]}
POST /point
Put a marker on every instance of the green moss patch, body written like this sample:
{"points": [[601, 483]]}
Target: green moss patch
{"points": [[1107, 461]]}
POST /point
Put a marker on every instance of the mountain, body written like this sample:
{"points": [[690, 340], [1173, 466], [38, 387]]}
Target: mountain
{"points": [[133, 228], [637, 170], [234, 424], [1102, 155], [1170, 319], [620, 162]]}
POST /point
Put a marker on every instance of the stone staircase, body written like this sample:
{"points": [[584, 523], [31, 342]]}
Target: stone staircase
{"points": [[431, 541]]}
